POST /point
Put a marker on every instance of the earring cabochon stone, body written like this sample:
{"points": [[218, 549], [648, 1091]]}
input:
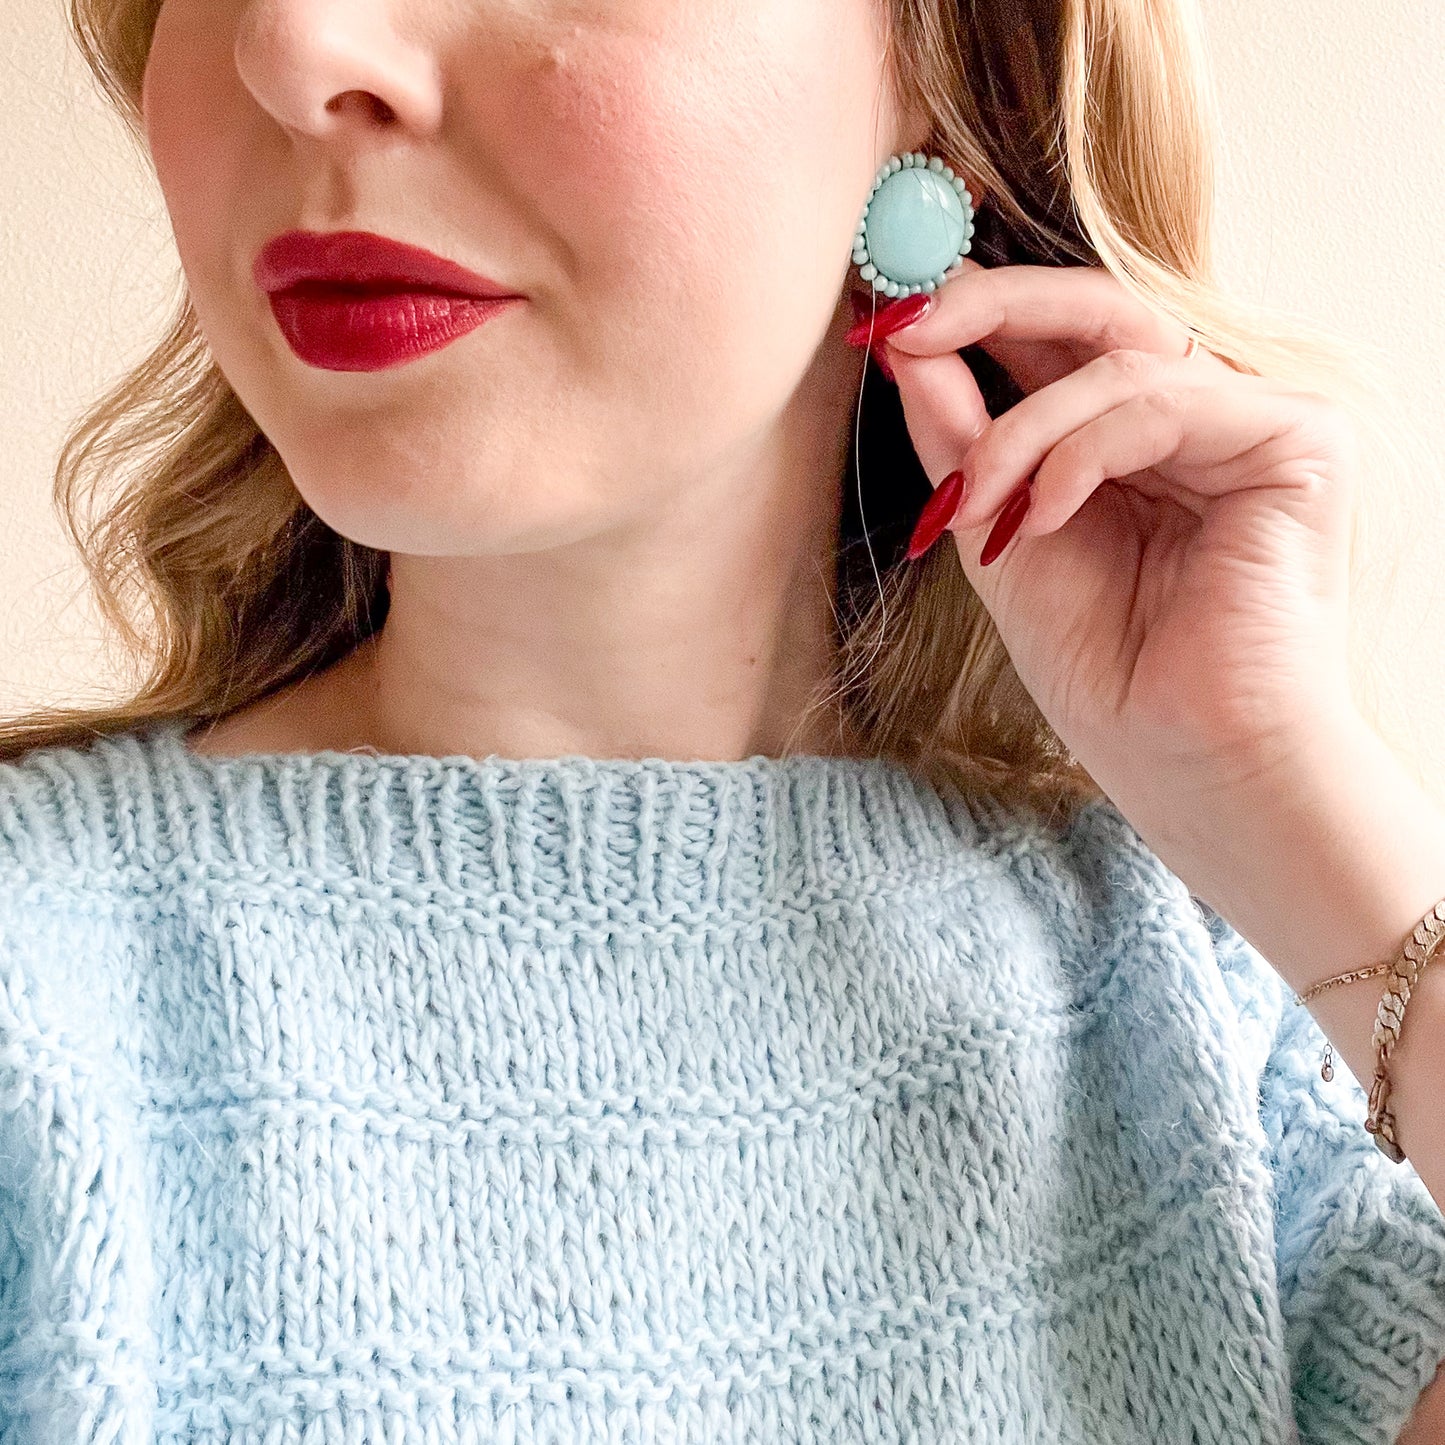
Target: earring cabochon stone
{"points": [[916, 227]]}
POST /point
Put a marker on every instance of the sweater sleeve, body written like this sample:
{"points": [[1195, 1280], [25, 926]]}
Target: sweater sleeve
{"points": [[75, 1330], [1359, 1241]]}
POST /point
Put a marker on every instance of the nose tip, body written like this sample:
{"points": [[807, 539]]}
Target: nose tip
{"points": [[331, 69]]}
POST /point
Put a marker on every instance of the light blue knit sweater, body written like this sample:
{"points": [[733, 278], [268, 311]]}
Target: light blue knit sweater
{"points": [[368, 1099]]}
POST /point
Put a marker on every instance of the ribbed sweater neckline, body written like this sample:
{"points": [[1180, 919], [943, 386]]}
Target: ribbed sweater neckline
{"points": [[651, 837]]}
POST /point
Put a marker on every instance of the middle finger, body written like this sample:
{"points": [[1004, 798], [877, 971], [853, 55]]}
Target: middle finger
{"points": [[1012, 448]]}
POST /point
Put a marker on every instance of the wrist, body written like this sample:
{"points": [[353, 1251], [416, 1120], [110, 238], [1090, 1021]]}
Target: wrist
{"points": [[1323, 852], [1225, 804]]}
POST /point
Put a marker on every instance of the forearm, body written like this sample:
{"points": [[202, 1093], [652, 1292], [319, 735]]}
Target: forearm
{"points": [[1326, 866]]}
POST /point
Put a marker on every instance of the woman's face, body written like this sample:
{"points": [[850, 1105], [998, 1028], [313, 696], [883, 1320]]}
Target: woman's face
{"points": [[673, 185]]}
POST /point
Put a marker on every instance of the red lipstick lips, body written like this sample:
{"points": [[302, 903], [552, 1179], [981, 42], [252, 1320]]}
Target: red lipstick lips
{"points": [[354, 301]]}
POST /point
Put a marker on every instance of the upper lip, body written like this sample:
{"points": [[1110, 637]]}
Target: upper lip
{"points": [[359, 258]]}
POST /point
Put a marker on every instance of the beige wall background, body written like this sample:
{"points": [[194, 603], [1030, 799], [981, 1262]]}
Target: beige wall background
{"points": [[1331, 207]]}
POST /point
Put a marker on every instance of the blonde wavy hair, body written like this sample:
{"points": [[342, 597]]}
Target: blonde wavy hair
{"points": [[1087, 130]]}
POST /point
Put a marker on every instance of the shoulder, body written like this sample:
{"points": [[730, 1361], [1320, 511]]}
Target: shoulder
{"points": [[1094, 873], [73, 845], [1139, 918], [72, 810]]}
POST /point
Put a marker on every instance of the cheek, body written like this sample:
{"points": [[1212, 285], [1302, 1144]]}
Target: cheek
{"points": [[628, 182], [715, 183], [186, 130]]}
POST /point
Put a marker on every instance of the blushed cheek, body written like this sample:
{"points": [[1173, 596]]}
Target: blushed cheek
{"points": [[184, 133], [648, 168], [698, 192], [172, 101]]}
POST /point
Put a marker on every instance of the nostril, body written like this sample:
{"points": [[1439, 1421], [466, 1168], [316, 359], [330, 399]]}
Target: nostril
{"points": [[379, 109]]}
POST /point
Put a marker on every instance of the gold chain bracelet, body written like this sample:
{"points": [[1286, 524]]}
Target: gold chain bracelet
{"points": [[1405, 970]]}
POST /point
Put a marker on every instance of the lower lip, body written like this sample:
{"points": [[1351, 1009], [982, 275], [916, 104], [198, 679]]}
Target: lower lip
{"points": [[339, 330]]}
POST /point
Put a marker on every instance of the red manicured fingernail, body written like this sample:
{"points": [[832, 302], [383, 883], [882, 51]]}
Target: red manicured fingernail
{"points": [[1007, 523], [879, 353], [891, 318], [933, 520]]}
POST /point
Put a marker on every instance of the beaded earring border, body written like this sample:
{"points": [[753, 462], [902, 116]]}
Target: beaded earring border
{"points": [[917, 225]]}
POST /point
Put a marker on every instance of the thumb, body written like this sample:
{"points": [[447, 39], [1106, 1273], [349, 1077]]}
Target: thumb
{"points": [[942, 406]]}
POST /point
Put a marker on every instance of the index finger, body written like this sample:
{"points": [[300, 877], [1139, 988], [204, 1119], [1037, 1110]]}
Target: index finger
{"points": [[1082, 307]]}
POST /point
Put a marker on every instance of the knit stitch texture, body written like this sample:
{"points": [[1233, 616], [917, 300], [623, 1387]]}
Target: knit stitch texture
{"points": [[377, 1100]]}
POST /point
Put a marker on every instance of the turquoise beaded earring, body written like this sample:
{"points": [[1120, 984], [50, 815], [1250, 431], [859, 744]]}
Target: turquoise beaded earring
{"points": [[916, 227]]}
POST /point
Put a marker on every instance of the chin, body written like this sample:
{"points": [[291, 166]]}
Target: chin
{"points": [[420, 526]]}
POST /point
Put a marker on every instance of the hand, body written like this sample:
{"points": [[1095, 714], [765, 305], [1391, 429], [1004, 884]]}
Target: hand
{"points": [[1176, 602]]}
